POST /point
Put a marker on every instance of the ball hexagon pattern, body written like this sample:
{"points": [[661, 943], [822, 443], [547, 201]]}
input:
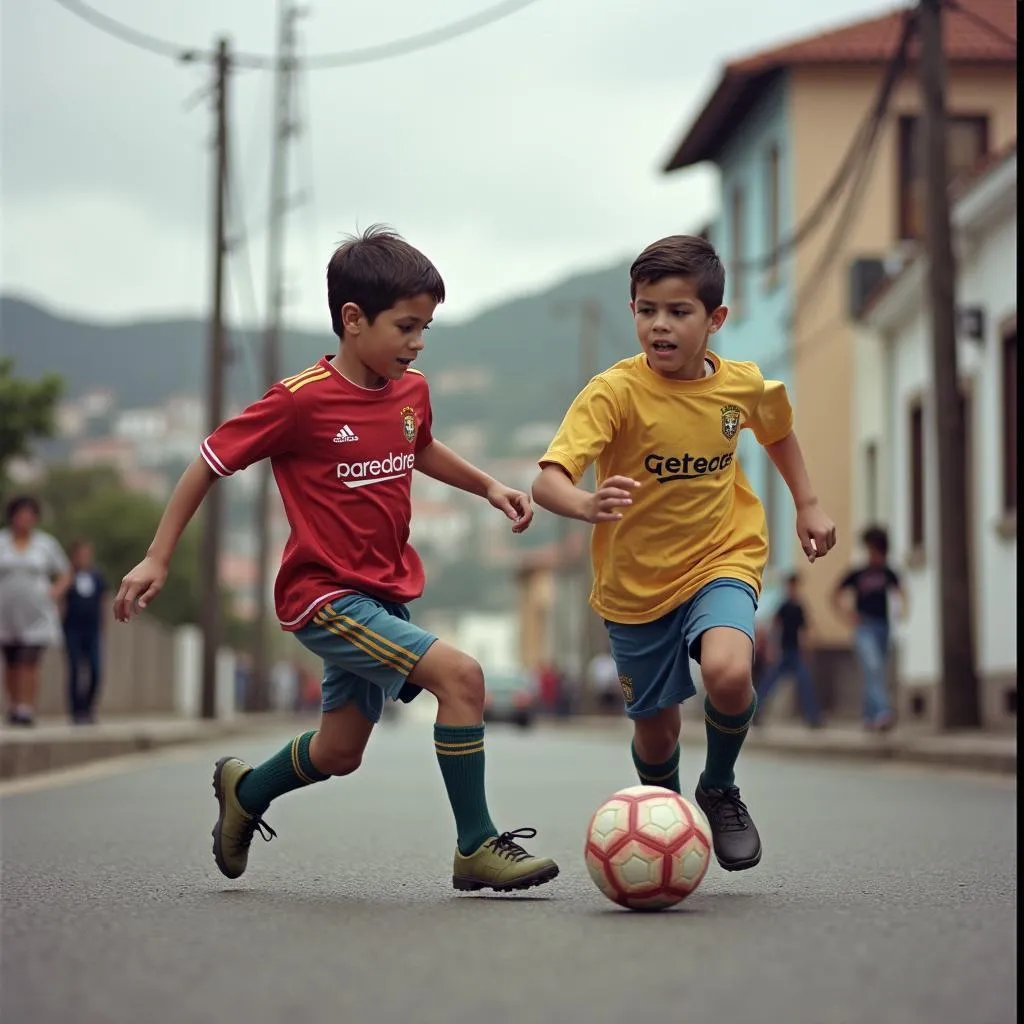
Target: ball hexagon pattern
{"points": [[647, 848]]}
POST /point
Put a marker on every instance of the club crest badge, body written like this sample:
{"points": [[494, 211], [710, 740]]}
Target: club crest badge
{"points": [[731, 415], [409, 423]]}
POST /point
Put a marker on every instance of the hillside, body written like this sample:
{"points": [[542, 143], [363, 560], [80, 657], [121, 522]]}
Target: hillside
{"points": [[528, 348]]}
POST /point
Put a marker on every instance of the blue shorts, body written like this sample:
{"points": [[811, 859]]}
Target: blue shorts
{"points": [[369, 648], [653, 658]]}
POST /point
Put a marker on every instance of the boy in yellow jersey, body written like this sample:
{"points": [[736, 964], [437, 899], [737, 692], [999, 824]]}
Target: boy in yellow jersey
{"points": [[679, 542]]}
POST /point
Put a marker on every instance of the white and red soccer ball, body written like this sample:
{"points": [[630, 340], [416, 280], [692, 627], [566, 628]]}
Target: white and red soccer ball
{"points": [[648, 848]]}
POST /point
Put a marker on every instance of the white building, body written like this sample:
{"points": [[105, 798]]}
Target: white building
{"points": [[896, 482]]}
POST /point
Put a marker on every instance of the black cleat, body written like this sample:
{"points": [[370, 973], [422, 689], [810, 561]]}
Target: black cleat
{"points": [[737, 844]]}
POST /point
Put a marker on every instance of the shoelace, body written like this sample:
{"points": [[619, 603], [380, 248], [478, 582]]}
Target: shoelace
{"points": [[729, 809], [506, 846], [256, 825]]}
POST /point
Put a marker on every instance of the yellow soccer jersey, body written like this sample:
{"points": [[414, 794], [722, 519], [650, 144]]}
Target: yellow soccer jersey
{"points": [[694, 517]]}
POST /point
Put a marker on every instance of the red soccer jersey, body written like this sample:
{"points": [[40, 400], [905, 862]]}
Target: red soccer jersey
{"points": [[343, 458]]}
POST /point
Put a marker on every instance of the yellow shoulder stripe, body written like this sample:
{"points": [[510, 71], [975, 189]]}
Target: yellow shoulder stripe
{"points": [[322, 375], [309, 371], [419, 373]]}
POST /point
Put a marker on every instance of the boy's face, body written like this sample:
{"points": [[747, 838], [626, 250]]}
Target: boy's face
{"points": [[389, 345], [876, 556], [82, 556], [673, 326]]}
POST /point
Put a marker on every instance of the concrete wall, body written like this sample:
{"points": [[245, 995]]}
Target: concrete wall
{"points": [[148, 670]]}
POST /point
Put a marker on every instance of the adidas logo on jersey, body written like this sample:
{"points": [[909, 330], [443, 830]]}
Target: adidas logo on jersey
{"points": [[345, 434]]}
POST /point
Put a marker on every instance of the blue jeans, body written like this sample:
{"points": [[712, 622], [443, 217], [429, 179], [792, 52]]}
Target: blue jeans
{"points": [[792, 664], [83, 651], [871, 641]]}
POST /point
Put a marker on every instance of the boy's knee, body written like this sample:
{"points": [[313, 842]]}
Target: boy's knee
{"points": [[337, 761], [466, 682], [727, 678]]}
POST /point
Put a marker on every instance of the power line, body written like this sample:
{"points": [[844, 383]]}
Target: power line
{"points": [[316, 62], [981, 22], [855, 196], [852, 161]]}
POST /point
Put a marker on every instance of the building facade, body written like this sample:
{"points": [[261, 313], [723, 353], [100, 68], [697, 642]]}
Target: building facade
{"points": [[897, 417], [778, 125]]}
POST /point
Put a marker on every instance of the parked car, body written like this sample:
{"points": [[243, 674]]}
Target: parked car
{"points": [[510, 697]]}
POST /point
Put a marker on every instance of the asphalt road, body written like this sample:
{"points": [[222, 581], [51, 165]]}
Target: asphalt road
{"points": [[886, 895]]}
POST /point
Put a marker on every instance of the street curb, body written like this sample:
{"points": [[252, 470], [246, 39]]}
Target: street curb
{"points": [[937, 751], [25, 753]]}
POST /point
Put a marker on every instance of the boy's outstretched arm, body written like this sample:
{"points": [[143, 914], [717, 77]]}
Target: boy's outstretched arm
{"points": [[815, 529], [554, 490], [439, 462], [144, 582]]}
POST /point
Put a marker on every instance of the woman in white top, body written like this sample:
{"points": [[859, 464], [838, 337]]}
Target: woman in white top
{"points": [[34, 574]]}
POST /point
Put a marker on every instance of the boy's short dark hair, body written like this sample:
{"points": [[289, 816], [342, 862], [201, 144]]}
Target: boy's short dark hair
{"points": [[876, 537], [375, 270], [793, 579], [20, 501], [681, 256]]}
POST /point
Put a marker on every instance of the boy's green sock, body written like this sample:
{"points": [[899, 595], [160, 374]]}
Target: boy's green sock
{"points": [[460, 753], [665, 775], [726, 734], [290, 768]]}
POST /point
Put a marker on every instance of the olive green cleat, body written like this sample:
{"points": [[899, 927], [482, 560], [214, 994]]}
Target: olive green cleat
{"points": [[503, 865], [232, 835]]}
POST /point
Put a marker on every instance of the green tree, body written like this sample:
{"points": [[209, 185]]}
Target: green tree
{"points": [[27, 411]]}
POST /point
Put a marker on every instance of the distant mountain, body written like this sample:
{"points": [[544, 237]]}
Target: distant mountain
{"points": [[525, 354]]}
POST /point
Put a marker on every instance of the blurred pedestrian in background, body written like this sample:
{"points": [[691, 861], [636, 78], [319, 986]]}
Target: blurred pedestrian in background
{"points": [[83, 633], [34, 575], [871, 585]]}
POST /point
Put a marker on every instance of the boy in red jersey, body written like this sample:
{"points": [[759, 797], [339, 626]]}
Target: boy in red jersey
{"points": [[343, 437]]}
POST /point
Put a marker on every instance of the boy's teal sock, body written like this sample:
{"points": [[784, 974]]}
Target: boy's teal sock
{"points": [[726, 734], [665, 775], [460, 753], [290, 768]]}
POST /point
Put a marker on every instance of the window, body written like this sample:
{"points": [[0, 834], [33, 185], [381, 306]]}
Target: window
{"points": [[967, 143], [871, 482], [737, 217], [1009, 418], [916, 476], [773, 226]]}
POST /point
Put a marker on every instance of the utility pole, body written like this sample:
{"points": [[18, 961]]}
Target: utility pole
{"points": [[959, 706], [590, 638], [284, 129], [213, 505]]}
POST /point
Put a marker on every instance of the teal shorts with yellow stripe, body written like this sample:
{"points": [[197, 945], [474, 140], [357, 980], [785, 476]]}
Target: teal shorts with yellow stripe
{"points": [[369, 648]]}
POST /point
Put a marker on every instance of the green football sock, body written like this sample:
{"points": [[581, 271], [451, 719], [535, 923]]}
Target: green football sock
{"points": [[726, 734], [665, 775], [460, 753], [290, 768]]}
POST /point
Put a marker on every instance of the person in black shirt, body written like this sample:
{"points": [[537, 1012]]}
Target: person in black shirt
{"points": [[871, 586], [790, 627], [82, 632]]}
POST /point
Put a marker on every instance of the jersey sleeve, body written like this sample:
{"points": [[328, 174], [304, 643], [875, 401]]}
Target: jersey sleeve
{"points": [[264, 430], [588, 427], [892, 578], [772, 418], [425, 434]]}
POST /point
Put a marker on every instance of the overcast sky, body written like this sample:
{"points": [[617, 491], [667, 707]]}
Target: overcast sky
{"points": [[513, 156]]}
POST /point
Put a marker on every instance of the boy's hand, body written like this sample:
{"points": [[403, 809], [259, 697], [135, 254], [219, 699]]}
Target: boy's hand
{"points": [[613, 494], [515, 504], [139, 587], [816, 531]]}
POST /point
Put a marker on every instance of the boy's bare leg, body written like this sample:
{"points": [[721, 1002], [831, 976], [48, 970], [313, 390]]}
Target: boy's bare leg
{"points": [[656, 748], [484, 858]]}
